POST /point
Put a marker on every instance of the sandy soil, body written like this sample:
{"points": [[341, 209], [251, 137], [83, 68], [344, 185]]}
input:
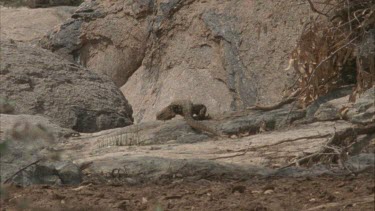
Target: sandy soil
{"points": [[321, 193]]}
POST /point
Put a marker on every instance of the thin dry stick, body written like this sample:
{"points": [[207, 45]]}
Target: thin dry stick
{"points": [[272, 107], [314, 9], [22, 169], [230, 156]]}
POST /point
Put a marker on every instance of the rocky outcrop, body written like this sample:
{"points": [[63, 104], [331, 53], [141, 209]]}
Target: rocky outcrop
{"points": [[258, 143], [205, 51], [335, 105], [254, 143], [37, 81]]}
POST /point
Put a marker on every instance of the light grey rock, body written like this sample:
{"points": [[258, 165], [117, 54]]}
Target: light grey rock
{"points": [[50, 172], [252, 122], [335, 94], [39, 82], [363, 110], [69, 173]]}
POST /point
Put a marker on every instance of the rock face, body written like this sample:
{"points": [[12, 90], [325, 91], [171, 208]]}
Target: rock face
{"points": [[51, 3], [363, 111], [100, 37], [8, 121], [39, 82], [20, 23], [210, 52]]}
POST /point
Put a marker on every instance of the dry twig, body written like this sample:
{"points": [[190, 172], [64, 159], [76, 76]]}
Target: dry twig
{"points": [[22, 169]]}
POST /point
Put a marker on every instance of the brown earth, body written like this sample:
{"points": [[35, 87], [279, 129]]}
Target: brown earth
{"points": [[305, 193]]}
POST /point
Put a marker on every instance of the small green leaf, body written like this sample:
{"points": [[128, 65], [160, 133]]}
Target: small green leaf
{"points": [[158, 208], [3, 147]]}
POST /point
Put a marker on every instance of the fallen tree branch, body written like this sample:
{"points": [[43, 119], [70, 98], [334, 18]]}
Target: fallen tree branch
{"points": [[336, 148], [290, 99]]}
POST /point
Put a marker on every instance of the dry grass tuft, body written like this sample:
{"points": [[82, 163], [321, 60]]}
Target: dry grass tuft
{"points": [[336, 48]]}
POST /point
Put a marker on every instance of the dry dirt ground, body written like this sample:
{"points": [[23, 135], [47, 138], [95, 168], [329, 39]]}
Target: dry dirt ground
{"points": [[306, 193]]}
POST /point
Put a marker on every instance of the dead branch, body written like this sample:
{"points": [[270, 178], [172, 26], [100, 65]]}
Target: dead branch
{"points": [[334, 149], [272, 107], [288, 100]]}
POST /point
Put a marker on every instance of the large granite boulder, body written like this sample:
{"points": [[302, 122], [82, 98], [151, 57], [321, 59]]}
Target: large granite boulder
{"points": [[37, 81], [227, 54]]}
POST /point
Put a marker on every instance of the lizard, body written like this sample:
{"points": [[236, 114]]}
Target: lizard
{"points": [[191, 113]]}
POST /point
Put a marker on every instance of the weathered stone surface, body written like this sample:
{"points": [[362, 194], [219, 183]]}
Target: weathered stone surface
{"points": [[69, 173], [28, 139], [259, 143], [29, 25], [363, 110], [101, 37], [330, 109], [41, 83], [50, 172], [51, 3], [8, 122], [207, 52], [32, 139], [251, 121], [323, 102], [209, 159]]}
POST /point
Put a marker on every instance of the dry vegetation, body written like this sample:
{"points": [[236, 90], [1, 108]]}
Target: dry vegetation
{"points": [[336, 48]]}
